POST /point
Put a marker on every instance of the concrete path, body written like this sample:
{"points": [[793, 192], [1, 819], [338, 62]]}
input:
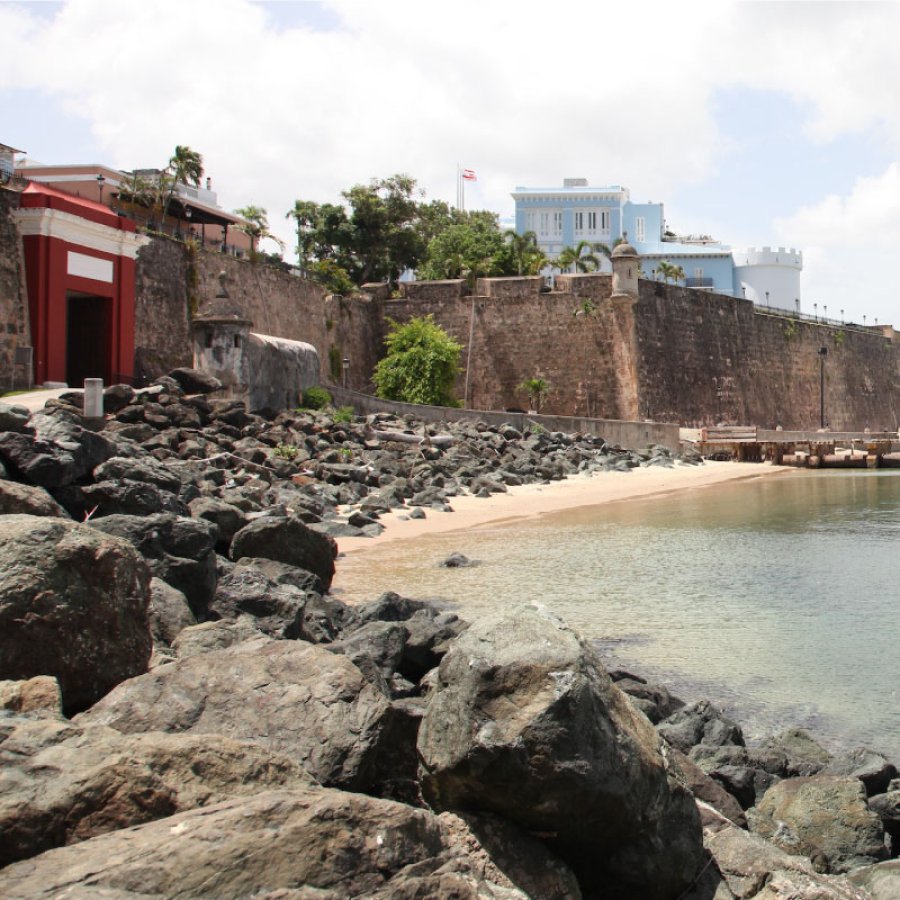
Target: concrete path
{"points": [[35, 400]]}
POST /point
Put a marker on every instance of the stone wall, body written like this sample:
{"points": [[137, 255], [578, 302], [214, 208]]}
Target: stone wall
{"points": [[164, 291], [174, 280], [14, 323], [705, 358]]}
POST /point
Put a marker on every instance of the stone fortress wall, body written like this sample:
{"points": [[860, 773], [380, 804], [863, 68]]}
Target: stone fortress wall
{"points": [[671, 354]]}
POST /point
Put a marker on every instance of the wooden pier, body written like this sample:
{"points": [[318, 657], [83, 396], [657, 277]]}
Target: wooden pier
{"points": [[806, 449]]}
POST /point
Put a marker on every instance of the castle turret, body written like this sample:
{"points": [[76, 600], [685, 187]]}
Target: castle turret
{"points": [[220, 333], [625, 265]]}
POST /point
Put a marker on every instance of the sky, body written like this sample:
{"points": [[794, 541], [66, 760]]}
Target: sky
{"points": [[761, 123]]}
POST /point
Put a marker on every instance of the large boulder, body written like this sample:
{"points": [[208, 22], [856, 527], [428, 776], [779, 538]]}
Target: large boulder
{"points": [[73, 604], [28, 499], [700, 723], [178, 549], [288, 540], [750, 868], [306, 843], [872, 768], [85, 781], [525, 722], [824, 817], [881, 881], [298, 698]]}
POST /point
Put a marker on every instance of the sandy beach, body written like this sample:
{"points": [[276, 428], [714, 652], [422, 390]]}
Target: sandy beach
{"points": [[540, 499]]}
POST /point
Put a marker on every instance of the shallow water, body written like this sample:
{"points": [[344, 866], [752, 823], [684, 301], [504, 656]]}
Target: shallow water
{"points": [[776, 597]]}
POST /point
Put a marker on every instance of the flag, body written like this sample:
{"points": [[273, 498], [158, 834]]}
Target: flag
{"points": [[469, 175]]}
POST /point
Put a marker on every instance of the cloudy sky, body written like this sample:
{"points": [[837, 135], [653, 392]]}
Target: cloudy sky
{"points": [[761, 123]]}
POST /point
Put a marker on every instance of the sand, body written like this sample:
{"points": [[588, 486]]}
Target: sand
{"points": [[539, 499]]}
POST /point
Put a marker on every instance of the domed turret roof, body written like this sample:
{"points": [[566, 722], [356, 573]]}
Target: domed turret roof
{"points": [[623, 248]]}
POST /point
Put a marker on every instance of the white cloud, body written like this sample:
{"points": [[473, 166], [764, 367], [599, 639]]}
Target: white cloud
{"points": [[848, 244], [522, 94]]}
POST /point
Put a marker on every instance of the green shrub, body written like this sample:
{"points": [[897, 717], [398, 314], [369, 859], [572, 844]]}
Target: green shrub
{"points": [[285, 451], [343, 414], [315, 398]]}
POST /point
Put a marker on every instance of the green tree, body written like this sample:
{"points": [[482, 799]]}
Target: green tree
{"points": [[465, 250], [582, 257], [537, 389], [527, 257], [256, 227], [185, 167], [421, 364], [670, 270]]}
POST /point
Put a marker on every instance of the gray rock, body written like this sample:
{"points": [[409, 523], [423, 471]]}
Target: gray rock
{"points": [[179, 550], [116, 397], [245, 590], [654, 699], [73, 604], [824, 817], [887, 807], [700, 723], [29, 500], [804, 756], [169, 612], [303, 843], [13, 417], [707, 789], [290, 541], [458, 561], [198, 639], [147, 470], [873, 769], [524, 722], [297, 698], [38, 462], [227, 518], [195, 381], [751, 867], [95, 779], [881, 881]]}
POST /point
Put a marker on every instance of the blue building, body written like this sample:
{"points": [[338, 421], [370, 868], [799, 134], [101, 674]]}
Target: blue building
{"points": [[561, 217]]}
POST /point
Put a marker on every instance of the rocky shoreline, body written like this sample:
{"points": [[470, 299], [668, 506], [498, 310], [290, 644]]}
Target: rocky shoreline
{"points": [[188, 712]]}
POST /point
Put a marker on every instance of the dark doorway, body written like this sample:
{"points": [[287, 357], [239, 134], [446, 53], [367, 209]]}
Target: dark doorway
{"points": [[87, 339]]}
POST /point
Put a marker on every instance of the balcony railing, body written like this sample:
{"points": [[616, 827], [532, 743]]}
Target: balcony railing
{"points": [[699, 282]]}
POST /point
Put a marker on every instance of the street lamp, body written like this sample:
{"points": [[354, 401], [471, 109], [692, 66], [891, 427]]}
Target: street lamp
{"points": [[767, 299], [825, 314], [816, 311], [101, 180], [823, 352], [345, 370], [842, 317]]}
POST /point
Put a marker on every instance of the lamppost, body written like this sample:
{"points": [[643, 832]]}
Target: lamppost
{"points": [[345, 370], [823, 352], [101, 180], [797, 306], [842, 317], [825, 313], [816, 311], [767, 299], [187, 216]]}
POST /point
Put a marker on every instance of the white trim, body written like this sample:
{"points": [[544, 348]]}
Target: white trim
{"points": [[51, 179], [94, 267], [65, 226]]}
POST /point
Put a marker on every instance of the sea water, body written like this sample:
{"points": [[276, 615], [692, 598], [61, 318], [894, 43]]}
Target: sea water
{"points": [[777, 597]]}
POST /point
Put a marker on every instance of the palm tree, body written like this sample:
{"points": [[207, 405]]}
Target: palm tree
{"points": [[537, 389], [527, 255], [185, 167], [256, 227], [669, 270], [583, 256]]}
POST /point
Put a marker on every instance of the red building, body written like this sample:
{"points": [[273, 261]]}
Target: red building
{"points": [[80, 265]]}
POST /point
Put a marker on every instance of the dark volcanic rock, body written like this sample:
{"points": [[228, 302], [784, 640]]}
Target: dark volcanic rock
{"points": [[305, 843], [700, 723], [290, 541], [869, 766], [169, 611], [313, 705], [60, 783], [27, 499], [73, 604], [179, 550], [195, 381], [525, 722]]}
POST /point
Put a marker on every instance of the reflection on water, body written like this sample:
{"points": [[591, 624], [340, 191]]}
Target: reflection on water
{"points": [[776, 597]]}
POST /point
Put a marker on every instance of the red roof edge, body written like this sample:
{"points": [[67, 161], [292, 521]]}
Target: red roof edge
{"points": [[41, 196]]}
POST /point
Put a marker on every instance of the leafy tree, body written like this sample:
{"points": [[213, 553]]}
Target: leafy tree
{"points": [[421, 364], [669, 270], [527, 257], [466, 250], [185, 167], [537, 389], [583, 257], [256, 226]]}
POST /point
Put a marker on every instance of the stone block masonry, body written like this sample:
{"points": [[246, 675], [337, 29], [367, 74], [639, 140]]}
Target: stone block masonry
{"points": [[14, 325]]}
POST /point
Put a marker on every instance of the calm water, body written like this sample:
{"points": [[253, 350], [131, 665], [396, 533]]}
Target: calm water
{"points": [[777, 598]]}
